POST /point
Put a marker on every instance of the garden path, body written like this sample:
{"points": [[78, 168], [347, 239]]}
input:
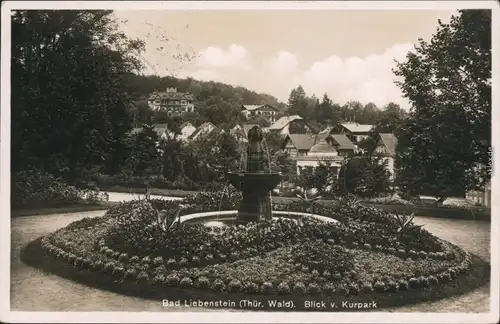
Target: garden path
{"points": [[34, 290]]}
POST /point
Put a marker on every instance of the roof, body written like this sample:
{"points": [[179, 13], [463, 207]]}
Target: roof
{"points": [[326, 130], [172, 95], [343, 141], [255, 107], [322, 147], [158, 128], [357, 128], [390, 141], [184, 124], [307, 141], [302, 141], [283, 121], [200, 129]]}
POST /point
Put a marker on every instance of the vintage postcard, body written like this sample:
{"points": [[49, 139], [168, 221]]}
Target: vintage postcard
{"points": [[281, 161]]}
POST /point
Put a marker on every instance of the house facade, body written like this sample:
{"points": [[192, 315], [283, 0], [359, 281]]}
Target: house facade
{"points": [[186, 130], [354, 131], [311, 150], [267, 111], [172, 101], [481, 196], [320, 153], [385, 147], [290, 125]]}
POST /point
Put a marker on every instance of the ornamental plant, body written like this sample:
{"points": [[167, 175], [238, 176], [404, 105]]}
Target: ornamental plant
{"points": [[203, 282], [234, 285], [299, 288], [218, 285], [186, 282]]}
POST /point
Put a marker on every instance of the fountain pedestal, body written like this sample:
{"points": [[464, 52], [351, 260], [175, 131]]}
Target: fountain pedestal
{"points": [[255, 188]]}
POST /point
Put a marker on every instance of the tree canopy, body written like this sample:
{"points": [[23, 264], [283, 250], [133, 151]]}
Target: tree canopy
{"points": [[444, 147], [69, 108]]}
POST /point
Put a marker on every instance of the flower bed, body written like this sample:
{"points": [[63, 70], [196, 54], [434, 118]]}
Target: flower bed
{"points": [[366, 254]]}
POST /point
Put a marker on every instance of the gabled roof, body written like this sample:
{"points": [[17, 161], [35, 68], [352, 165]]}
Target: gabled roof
{"points": [[202, 128], [343, 142], [184, 124], [307, 141], [389, 141], [357, 128], [304, 142], [283, 121], [255, 107]]}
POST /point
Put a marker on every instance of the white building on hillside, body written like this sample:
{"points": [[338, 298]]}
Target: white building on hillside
{"points": [[290, 125], [186, 130], [267, 111]]}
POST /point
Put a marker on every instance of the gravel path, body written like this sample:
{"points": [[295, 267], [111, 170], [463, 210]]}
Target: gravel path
{"points": [[33, 290]]}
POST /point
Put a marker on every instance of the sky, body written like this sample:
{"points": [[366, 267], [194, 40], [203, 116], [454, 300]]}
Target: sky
{"points": [[347, 54]]}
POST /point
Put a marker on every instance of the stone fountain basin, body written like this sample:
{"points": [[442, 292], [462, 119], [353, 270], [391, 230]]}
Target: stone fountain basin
{"points": [[254, 181], [228, 217]]}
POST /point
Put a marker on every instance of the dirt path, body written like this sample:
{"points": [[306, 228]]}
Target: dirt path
{"points": [[33, 290]]}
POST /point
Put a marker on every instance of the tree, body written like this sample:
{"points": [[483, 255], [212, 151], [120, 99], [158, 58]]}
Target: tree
{"points": [[70, 112], [444, 148], [218, 153], [142, 113], [364, 176], [297, 102], [369, 115], [145, 156], [319, 178], [391, 119]]}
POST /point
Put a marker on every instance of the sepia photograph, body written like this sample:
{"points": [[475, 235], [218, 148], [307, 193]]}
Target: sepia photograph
{"points": [[283, 161]]}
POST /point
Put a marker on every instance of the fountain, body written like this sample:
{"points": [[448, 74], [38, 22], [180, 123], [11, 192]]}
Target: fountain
{"points": [[255, 183]]}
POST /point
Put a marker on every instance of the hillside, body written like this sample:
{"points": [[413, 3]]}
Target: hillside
{"points": [[206, 93]]}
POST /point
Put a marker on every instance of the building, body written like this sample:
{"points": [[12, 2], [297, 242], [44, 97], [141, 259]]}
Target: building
{"points": [[186, 130], [203, 130], [290, 125], [385, 147], [321, 152], [160, 129], [172, 101], [354, 131], [481, 196], [267, 111], [301, 144]]}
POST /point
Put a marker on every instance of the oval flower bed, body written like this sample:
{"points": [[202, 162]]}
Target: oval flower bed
{"points": [[365, 257]]}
